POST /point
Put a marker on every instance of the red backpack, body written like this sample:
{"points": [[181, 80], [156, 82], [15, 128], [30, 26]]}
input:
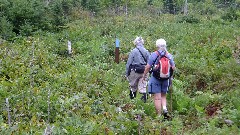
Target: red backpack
{"points": [[162, 67]]}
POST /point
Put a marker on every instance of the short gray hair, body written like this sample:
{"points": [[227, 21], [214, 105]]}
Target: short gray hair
{"points": [[161, 44], [138, 41]]}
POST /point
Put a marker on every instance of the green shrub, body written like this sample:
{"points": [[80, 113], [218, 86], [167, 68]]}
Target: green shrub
{"points": [[230, 15], [6, 29], [188, 19], [88, 92]]}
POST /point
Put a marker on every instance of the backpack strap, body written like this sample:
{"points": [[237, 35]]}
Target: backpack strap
{"points": [[142, 55], [158, 54], [165, 55], [151, 69]]}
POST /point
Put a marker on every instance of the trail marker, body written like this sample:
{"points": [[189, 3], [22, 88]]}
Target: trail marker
{"points": [[8, 111], [117, 42], [69, 47]]}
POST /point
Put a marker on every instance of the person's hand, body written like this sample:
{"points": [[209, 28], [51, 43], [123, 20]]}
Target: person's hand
{"points": [[125, 76], [144, 78]]}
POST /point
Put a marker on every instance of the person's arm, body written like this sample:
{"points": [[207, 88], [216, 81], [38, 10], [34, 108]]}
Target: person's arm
{"points": [[172, 63], [147, 69], [129, 62], [151, 58]]}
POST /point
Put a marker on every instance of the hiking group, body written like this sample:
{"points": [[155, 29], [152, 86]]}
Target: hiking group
{"points": [[159, 65]]}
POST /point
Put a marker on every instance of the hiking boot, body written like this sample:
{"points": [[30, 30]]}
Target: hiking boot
{"points": [[132, 94], [165, 115], [144, 97]]}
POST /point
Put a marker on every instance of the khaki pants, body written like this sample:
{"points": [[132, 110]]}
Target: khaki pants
{"points": [[136, 82]]}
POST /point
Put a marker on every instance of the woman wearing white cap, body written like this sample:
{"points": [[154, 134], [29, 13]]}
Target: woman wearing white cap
{"points": [[159, 81], [135, 67]]}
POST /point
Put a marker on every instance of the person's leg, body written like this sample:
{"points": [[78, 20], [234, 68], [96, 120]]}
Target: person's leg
{"points": [[135, 93], [132, 94], [142, 86], [164, 100], [157, 103], [165, 86], [164, 90], [144, 97], [164, 105], [133, 82], [154, 88]]}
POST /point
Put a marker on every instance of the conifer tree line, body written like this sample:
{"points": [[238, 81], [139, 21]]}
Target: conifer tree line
{"points": [[23, 17]]}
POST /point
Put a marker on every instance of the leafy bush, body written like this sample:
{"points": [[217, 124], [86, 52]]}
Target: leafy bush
{"points": [[188, 19], [6, 29], [230, 15], [86, 92]]}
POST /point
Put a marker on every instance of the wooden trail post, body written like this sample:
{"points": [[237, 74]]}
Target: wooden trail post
{"points": [[117, 42]]}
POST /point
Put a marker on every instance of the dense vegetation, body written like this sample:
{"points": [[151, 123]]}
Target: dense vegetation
{"points": [[24, 17], [45, 90]]}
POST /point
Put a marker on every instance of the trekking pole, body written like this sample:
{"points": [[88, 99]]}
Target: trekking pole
{"points": [[171, 91]]}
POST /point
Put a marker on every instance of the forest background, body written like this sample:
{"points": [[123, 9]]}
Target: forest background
{"points": [[46, 90]]}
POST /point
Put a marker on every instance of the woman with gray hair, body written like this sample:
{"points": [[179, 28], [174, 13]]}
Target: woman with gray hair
{"points": [[135, 67], [159, 82]]}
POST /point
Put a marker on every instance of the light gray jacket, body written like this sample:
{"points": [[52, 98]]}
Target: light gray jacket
{"points": [[135, 57]]}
